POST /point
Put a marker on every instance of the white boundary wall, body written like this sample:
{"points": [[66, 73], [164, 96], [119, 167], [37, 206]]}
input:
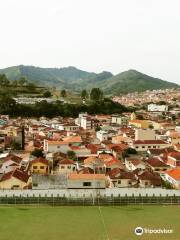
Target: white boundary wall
{"points": [[79, 193]]}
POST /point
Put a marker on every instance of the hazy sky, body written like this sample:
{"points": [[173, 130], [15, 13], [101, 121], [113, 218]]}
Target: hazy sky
{"points": [[94, 35]]}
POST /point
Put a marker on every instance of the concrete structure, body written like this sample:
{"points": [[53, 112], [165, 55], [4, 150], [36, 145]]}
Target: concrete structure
{"points": [[157, 108], [54, 146], [85, 121], [86, 181], [149, 144], [80, 193], [121, 120], [49, 181], [102, 135], [145, 134]]}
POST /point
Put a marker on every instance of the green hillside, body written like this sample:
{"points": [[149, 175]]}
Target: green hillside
{"points": [[75, 79], [132, 80]]}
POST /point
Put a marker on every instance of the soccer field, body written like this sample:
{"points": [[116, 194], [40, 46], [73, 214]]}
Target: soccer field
{"points": [[87, 223]]}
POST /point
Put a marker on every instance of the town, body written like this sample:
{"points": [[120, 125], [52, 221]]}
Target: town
{"points": [[130, 150]]}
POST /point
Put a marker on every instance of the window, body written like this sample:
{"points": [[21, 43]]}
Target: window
{"points": [[87, 184], [143, 146], [41, 167], [137, 147], [154, 146], [35, 185], [69, 167], [119, 181], [62, 167], [34, 167], [146, 183], [129, 182], [149, 146]]}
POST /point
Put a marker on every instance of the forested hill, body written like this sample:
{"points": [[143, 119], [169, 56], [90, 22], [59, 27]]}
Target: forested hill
{"points": [[75, 79]]}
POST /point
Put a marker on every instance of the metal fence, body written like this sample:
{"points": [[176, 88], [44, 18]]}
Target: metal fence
{"points": [[90, 201]]}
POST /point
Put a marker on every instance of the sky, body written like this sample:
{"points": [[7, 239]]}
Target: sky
{"points": [[93, 35]]}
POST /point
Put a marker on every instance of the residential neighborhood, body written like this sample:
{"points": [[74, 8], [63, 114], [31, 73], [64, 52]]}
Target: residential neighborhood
{"points": [[130, 150]]}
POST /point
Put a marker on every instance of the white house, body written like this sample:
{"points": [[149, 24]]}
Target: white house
{"points": [[157, 108], [149, 144], [102, 135]]}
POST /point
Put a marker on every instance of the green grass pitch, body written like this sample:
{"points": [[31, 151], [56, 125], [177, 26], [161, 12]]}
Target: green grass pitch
{"points": [[87, 223]]}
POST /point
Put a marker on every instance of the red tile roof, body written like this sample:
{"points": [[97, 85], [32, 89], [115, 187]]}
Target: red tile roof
{"points": [[118, 173], [66, 161], [155, 162], [149, 142], [17, 173], [40, 160]]}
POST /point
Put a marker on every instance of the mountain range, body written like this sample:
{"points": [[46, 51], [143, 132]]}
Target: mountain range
{"points": [[75, 79]]}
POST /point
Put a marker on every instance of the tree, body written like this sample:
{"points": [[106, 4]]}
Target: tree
{"points": [[22, 81], [31, 86], [47, 94], [16, 146], [6, 102], [37, 153], [173, 117], [15, 83], [63, 93], [96, 94], [98, 128], [84, 94], [4, 80], [71, 154]]}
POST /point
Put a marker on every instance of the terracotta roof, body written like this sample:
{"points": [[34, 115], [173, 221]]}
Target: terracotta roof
{"points": [[149, 142], [155, 162], [40, 160], [17, 173], [174, 173], [75, 176], [112, 162], [73, 139], [147, 175], [51, 142], [106, 157], [12, 157], [177, 146], [86, 170], [118, 173], [175, 155], [66, 161], [135, 162]]}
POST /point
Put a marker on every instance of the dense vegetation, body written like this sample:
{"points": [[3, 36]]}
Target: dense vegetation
{"points": [[21, 85], [106, 106], [71, 78]]}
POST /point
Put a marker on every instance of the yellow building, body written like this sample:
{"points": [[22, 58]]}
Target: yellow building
{"points": [[144, 124], [16, 179], [40, 166]]}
